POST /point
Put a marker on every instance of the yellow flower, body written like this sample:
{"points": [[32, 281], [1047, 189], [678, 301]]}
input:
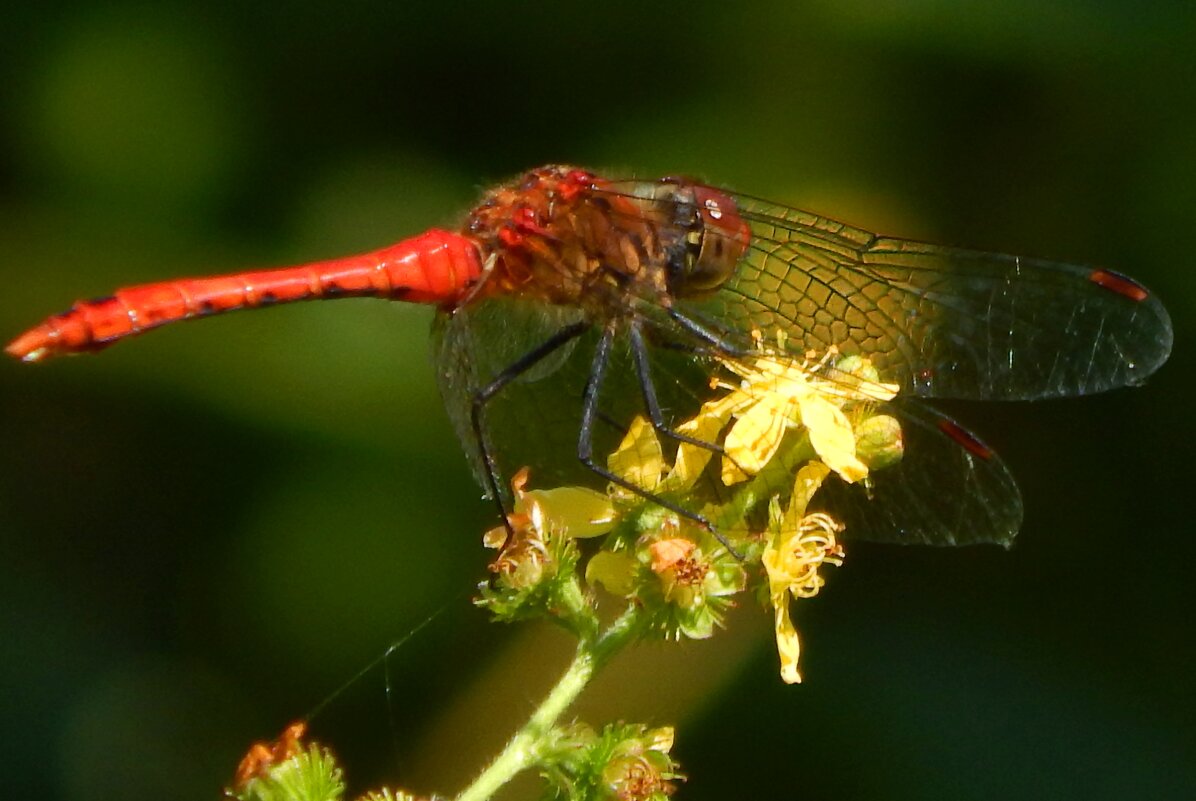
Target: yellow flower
{"points": [[799, 544], [776, 394]]}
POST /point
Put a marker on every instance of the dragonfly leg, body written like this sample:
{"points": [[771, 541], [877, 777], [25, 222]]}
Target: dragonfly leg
{"points": [[639, 352], [484, 395], [585, 440], [720, 344]]}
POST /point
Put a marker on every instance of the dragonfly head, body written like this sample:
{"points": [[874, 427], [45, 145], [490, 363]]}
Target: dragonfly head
{"points": [[714, 237]]}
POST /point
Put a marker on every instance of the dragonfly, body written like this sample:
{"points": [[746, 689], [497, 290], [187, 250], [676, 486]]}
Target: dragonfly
{"points": [[570, 303]]}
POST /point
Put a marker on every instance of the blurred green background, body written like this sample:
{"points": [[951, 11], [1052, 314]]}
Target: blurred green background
{"points": [[207, 530]]}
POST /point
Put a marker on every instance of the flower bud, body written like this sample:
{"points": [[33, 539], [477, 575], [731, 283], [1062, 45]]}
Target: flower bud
{"points": [[859, 367], [879, 442]]}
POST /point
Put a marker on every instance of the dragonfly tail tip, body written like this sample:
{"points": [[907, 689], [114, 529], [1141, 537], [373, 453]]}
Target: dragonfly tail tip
{"points": [[28, 347]]}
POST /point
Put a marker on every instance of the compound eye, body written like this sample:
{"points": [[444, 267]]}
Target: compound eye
{"points": [[718, 211], [712, 210], [723, 240]]}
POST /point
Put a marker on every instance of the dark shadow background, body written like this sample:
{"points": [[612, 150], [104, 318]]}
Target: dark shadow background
{"points": [[206, 531]]}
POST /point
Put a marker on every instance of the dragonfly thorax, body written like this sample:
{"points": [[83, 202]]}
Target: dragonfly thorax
{"points": [[563, 235]]}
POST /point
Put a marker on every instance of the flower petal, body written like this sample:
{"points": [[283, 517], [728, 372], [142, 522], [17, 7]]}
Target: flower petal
{"points": [[755, 437], [638, 458], [831, 436], [573, 511], [788, 645], [691, 459], [805, 484]]}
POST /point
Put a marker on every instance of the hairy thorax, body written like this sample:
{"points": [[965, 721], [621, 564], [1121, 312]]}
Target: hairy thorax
{"points": [[567, 237]]}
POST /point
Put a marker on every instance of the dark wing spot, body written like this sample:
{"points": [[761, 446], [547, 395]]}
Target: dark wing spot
{"points": [[966, 439], [1121, 284]]}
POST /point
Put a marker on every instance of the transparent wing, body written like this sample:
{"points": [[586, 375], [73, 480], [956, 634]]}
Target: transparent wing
{"points": [[948, 489], [535, 421], [470, 348], [939, 322], [943, 322]]}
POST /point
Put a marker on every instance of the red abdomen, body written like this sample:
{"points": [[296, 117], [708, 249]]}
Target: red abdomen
{"points": [[436, 267]]}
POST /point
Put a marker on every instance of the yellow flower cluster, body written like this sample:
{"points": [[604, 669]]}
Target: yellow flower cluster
{"points": [[773, 396], [767, 397]]}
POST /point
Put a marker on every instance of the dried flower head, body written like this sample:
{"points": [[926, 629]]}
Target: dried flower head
{"points": [[287, 771]]}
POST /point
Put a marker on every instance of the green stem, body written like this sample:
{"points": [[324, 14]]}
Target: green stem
{"points": [[523, 749]]}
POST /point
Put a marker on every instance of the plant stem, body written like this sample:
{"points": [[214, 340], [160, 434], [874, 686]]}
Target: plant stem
{"points": [[521, 752]]}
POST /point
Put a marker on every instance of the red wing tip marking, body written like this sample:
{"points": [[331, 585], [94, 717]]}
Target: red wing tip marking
{"points": [[965, 438], [1121, 284]]}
